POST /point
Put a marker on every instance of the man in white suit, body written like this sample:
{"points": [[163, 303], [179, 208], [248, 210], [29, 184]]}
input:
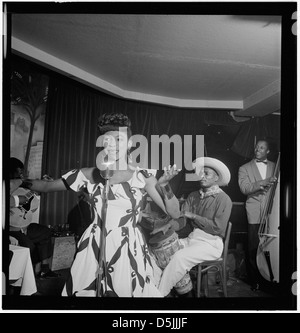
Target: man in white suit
{"points": [[255, 179]]}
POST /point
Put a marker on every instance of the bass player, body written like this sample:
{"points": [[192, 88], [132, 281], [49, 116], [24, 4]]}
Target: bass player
{"points": [[255, 179]]}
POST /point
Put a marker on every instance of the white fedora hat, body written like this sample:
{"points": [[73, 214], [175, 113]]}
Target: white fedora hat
{"points": [[220, 168]]}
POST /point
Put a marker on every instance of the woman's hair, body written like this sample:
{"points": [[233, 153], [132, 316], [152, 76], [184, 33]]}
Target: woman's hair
{"points": [[112, 122]]}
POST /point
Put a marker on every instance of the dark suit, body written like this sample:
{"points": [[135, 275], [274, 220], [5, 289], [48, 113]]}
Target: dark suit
{"points": [[249, 179]]}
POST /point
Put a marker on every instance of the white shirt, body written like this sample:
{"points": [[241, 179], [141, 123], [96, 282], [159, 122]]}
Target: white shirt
{"points": [[262, 168]]}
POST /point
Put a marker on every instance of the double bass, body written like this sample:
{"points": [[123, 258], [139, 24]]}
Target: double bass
{"points": [[267, 257]]}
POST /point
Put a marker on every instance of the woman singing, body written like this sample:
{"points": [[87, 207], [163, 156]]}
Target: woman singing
{"points": [[129, 270]]}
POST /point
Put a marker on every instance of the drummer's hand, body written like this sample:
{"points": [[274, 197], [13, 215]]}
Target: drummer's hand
{"points": [[169, 173], [164, 228], [189, 215]]}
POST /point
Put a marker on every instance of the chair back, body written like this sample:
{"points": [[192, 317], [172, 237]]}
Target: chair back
{"points": [[226, 240]]}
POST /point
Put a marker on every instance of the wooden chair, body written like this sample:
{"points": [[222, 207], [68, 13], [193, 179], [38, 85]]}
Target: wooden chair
{"points": [[219, 264]]}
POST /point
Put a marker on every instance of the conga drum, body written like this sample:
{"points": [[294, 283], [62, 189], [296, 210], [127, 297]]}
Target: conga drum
{"points": [[163, 247]]}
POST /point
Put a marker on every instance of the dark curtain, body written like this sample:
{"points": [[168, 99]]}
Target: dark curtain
{"points": [[267, 127], [71, 133], [70, 137]]}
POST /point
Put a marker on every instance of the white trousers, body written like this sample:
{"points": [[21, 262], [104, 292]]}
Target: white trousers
{"points": [[197, 247]]}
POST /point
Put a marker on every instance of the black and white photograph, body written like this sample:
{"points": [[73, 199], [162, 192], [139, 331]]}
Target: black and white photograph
{"points": [[141, 170]]}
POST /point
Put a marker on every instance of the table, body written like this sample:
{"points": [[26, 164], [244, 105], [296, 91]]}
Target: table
{"points": [[21, 272]]}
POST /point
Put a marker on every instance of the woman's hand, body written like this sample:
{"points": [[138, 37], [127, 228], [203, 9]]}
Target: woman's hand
{"points": [[169, 173]]}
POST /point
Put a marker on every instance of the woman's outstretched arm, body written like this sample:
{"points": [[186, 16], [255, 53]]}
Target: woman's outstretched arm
{"points": [[40, 185], [161, 192]]}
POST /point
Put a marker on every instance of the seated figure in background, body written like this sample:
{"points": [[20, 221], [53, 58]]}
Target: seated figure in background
{"points": [[22, 231]]}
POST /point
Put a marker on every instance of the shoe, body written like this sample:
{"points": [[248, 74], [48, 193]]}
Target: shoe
{"points": [[48, 274], [37, 294]]}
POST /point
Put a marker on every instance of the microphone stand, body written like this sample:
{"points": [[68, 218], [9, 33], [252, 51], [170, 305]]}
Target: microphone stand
{"points": [[101, 273]]}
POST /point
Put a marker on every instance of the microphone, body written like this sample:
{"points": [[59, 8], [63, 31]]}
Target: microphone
{"points": [[106, 170]]}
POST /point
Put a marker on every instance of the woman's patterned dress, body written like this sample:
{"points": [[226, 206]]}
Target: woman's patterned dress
{"points": [[130, 268]]}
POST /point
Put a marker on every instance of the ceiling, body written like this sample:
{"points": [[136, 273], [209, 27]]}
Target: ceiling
{"points": [[219, 62]]}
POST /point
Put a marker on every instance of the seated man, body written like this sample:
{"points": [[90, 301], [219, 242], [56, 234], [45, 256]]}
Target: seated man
{"points": [[209, 210], [35, 236]]}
